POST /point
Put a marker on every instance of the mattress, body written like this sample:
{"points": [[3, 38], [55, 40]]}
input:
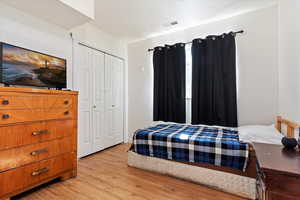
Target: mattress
{"points": [[228, 182], [193, 143]]}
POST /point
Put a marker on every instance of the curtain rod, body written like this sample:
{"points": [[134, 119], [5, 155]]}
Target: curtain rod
{"points": [[241, 31], [104, 52]]}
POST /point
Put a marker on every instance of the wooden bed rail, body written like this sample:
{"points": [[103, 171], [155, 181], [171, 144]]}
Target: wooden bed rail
{"points": [[291, 126]]}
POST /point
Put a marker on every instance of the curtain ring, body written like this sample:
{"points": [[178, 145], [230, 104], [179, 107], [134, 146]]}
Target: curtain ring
{"points": [[200, 41], [160, 48], [182, 45], [213, 38]]}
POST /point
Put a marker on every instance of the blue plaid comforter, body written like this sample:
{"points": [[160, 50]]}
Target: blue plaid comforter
{"points": [[193, 143]]}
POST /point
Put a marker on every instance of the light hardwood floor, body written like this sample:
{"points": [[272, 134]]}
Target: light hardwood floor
{"points": [[106, 176]]}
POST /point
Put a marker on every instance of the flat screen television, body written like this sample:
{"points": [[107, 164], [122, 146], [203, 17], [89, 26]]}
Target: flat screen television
{"points": [[20, 66]]}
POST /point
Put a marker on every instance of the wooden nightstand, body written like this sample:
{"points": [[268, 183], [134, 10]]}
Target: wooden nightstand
{"points": [[278, 172]]}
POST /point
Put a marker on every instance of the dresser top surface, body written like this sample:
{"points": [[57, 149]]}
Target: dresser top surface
{"points": [[36, 90], [275, 158]]}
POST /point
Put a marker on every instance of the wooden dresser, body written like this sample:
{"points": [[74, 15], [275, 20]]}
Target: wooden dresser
{"points": [[278, 172], [38, 138]]}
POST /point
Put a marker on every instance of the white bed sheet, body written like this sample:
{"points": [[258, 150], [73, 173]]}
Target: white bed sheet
{"points": [[261, 134]]}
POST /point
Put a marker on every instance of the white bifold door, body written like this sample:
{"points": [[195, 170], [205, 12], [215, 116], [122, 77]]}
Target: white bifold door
{"points": [[99, 79]]}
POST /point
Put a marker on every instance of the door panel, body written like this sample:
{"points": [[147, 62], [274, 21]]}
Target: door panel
{"points": [[109, 138], [83, 83], [117, 97], [114, 100], [98, 100]]}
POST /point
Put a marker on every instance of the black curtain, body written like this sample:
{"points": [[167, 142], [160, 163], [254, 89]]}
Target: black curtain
{"points": [[169, 83], [214, 91]]}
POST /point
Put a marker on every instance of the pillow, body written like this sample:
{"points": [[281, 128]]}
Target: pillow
{"points": [[260, 133]]}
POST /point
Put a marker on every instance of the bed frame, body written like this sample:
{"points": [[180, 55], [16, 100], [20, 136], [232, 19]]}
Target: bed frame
{"points": [[291, 126], [225, 179]]}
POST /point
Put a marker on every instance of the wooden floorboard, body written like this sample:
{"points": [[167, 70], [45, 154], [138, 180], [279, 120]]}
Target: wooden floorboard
{"points": [[106, 176]]}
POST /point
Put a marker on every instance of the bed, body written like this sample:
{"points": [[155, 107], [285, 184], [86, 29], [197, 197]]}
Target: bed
{"points": [[230, 168]]}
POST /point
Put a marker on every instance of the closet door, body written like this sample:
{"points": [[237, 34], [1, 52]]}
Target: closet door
{"points": [[98, 101], [108, 139], [113, 101], [83, 83], [99, 80], [117, 101]]}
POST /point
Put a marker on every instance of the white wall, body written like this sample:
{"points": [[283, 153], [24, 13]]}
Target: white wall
{"points": [[93, 36], [289, 59], [257, 62], [21, 29]]}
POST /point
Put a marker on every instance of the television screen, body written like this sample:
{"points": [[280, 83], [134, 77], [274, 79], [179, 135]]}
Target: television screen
{"points": [[21, 66]]}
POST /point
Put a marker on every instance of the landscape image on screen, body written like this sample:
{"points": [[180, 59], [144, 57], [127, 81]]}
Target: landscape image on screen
{"points": [[25, 67]]}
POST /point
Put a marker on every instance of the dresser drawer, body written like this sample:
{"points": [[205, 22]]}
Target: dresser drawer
{"points": [[283, 184], [26, 176], [66, 113], [58, 128], [20, 116], [31, 133], [17, 157], [13, 101], [58, 165], [58, 102], [21, 101]]}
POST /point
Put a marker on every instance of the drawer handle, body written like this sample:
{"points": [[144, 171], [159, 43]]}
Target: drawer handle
{"points": [[66, 102], [66, 113], [35, 133], [5, 116], [5, 102], [38, 152], [40, 171]]}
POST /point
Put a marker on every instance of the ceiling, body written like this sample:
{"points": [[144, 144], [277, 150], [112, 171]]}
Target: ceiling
{"points": [[137, 19], [52, 11]]}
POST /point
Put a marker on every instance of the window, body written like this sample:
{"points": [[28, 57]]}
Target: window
{"points": [[188, 52], [188, 96]]}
